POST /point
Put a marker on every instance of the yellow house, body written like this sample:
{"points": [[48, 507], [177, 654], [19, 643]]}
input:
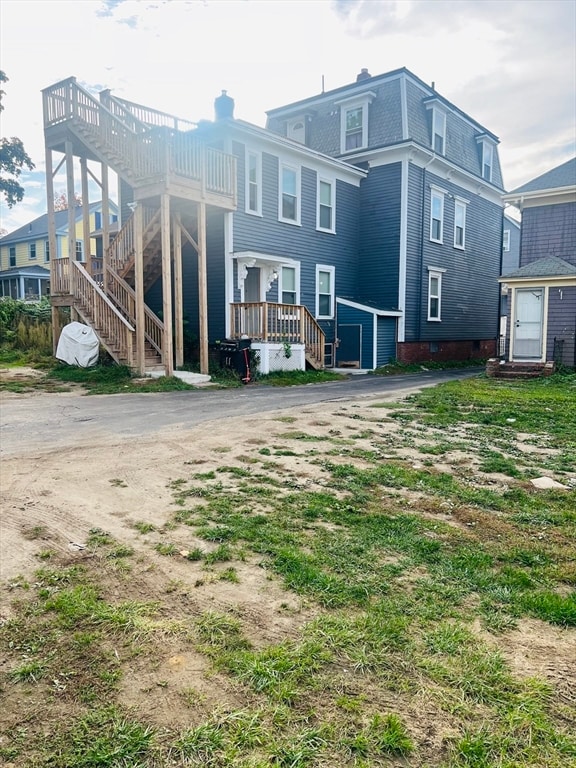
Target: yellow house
{"points": [[28, 247]]}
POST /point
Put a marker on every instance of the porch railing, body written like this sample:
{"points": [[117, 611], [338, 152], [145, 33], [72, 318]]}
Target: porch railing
{"points": [[160, 149], [267, 321]]}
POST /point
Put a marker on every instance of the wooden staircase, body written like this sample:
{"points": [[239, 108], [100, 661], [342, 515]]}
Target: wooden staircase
{"points": [[155, 154]]}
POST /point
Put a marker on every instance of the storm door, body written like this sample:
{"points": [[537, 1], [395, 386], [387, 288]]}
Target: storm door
{"points": [[527, 330]]}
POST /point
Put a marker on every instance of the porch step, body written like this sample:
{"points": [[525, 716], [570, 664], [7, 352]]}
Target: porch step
{"points": [[518, 370]]}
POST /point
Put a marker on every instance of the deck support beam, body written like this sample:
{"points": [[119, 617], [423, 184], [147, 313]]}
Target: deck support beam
{"points": [[52, 244], [202, 289], [85, 215], [69, 153], [178, 308], [138, 222], [166, 283]]}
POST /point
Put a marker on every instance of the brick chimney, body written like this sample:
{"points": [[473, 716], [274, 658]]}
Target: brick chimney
{"points": [[224, 106], [364, 75]]}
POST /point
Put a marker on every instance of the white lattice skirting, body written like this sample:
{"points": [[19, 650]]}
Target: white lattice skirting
{"points": [[272, 357]]}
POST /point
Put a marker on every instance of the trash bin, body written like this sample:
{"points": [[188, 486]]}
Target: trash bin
{"points": [[235, 354]]}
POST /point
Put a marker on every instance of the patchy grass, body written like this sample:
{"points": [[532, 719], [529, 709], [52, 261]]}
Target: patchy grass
{"points": [[407, 581]]}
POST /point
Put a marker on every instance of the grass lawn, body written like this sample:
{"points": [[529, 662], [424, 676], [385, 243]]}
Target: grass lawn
{"points": [[435, 585]]}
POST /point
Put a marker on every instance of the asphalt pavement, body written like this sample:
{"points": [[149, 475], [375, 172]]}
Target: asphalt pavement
{"points": [[48, 421]]}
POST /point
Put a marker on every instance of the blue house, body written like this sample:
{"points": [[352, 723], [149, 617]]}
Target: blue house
{"points": [[542, 308], [361, 225], [430, 224]]}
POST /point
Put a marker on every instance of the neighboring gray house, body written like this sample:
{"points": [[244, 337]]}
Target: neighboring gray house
{"points": [[543, 288]]}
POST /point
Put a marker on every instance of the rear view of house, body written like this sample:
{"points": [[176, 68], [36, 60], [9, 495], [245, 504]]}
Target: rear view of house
{"points": [[361, 225]]}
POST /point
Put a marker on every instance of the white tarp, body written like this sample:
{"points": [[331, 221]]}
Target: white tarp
{"points": [[78, 345]]}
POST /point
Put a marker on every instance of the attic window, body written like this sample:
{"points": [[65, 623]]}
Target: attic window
{"points": [[296, 130], [486, 146], [354, 122]]}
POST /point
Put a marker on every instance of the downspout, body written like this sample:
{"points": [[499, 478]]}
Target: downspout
{"points": [[499, 320], [423, 217]]}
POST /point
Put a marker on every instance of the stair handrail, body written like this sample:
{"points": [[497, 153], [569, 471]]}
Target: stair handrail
{"points": [[144, 116], [120, 252], [113, 328], [125, 297]]}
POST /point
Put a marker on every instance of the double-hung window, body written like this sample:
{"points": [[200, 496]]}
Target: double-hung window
{"points": [[436, 216], [289, 202], [12, 256], [434, 293], [486, 156], [324, 292], [78, 250], [438, 131], [460, 224], [506, 240], [354, 128], [31, 250], [46, 250], [325, 210], [254, 183], [354, 121], [288, 287]]}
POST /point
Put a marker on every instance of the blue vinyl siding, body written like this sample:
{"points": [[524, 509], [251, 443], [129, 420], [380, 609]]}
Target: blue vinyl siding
{"points": [[548, 230], [386, 340], [303, 243], [562, 323], [470, 293], [380, 235]]}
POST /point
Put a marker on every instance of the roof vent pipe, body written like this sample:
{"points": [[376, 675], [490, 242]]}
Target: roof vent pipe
{"points": [[224, 106]]}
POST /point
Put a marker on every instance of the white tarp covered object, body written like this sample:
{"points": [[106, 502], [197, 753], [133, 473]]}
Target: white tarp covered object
{"points": [[78, 345]]}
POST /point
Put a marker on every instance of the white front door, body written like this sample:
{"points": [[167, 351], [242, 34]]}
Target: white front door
{"points": [[527, 330]]}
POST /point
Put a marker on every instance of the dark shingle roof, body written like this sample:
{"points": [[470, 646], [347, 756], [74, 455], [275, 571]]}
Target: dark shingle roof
{"points": [[562, 176], [549, 266], [31, 271]]}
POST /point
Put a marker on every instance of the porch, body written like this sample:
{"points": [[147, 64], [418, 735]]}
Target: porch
{"points": [[274, 323]]}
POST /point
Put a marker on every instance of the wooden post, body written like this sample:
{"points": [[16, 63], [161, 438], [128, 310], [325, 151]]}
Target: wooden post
{"points": [[105, 215], [202, 288], [71, 209], [178, 308], [52, 243], [85, 215], [166, 283], [138, 223]]}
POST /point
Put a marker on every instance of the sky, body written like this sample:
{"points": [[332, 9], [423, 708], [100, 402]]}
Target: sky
{"points": [[510, 64]]}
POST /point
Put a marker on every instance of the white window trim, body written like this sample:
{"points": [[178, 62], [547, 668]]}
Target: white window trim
{"points": [[258, 156], [332, 271], [332, 183], [439, 194], [435, 272], [286, 166], [438, 114], [460, 203], [296, 267], [35, 246], [363, 101], [488, 147], [506, 241]]}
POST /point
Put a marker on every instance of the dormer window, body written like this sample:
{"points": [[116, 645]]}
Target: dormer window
{"points": [[486, 145], [438, 124], [438, 131], [296, 130], [354, 122]]}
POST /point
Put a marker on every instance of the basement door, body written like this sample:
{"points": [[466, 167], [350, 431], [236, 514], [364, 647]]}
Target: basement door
{"points": [[527, 331]]}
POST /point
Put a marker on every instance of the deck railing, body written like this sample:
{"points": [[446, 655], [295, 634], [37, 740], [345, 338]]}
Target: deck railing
{"points": [[161, 149], [267, 321], [105, 318], [125, 298], [59, 276], [141, 116]]}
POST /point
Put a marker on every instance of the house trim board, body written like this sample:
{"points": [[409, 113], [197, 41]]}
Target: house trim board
{"points": [[403, 255], [422, 157]]}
